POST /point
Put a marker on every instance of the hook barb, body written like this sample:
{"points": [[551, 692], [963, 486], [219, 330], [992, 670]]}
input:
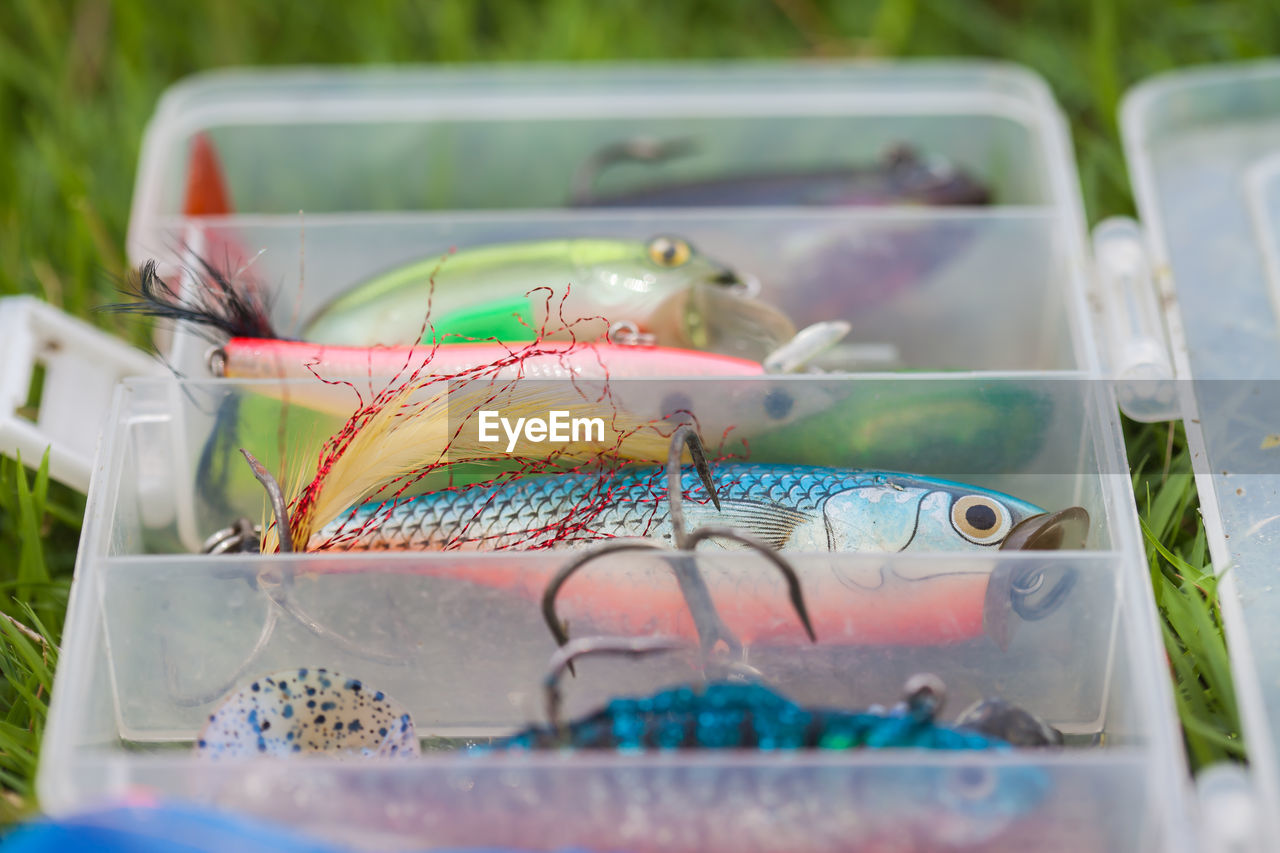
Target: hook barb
{"points": [[564, 656], [686, 436], [278, 506], [613, 546], [794, 591]]}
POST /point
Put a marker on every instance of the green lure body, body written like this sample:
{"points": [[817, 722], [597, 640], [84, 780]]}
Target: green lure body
{"points": [[558, 289]]}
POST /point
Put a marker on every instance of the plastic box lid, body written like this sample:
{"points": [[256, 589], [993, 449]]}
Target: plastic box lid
{"points": [[1204, 150]]}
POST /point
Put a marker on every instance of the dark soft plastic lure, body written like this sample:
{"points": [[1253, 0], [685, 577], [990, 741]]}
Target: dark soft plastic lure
{"points": [[733, 715], [902, 176]]}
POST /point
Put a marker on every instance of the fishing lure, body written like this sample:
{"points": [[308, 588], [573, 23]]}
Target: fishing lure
{"points": [[724, 714], [308, 710], [834, 270], [963, 600], [314, 710], [270, 358], [660, 292], [364, 369], [791, 507], [784, 508], [247, 346], [903, 176], [670, 293], [249, 358], [385, 324], [931, 425]]}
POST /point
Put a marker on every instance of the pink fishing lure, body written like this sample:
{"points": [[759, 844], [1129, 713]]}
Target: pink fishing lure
{"points": [[259, 358]]}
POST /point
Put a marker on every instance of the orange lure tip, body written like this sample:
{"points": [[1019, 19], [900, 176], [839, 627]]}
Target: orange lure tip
{"points": [[206, 193]]}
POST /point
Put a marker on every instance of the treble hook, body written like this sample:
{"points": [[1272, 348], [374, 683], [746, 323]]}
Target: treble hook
{"points": [[564, 656], [274, 584], [279, 508], [549, 615], [686, 436], [793, 581], [241, 536], [706, 619], [195, 699]]}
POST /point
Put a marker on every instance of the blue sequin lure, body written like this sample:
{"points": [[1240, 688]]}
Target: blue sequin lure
{"points": [[733, 714]]}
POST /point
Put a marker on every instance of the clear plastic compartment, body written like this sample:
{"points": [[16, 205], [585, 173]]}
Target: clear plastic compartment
{"points": [[1036, 436], [996, 382], [495, 150], [913, 283], [160, 636], [515, 137], [1078, 667]]}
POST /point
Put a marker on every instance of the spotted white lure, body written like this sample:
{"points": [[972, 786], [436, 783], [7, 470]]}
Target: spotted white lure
{"points": [[306, 711]]}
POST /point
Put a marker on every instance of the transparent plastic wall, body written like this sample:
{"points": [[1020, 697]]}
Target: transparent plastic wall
{"points": [[161, 635], [912, 284], [515, 138], [988, 375], [335, 178]]}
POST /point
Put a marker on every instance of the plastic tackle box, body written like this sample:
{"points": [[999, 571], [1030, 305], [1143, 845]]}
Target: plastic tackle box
{"points": [[1003, 304]]}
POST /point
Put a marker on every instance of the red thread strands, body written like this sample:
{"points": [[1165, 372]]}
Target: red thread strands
{"points": [[394, 431]]}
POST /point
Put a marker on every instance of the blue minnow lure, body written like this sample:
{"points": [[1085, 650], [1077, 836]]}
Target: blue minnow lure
{"points": [[308, 710], [788, 507]]}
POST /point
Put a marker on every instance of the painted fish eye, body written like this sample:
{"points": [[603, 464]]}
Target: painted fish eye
{"points": [[980, 519], [676, 403], [777, 403], [972, 783], [669, 252]]}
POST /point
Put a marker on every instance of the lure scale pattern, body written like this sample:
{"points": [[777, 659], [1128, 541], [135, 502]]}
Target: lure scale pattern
{"points": [[787, 507], [566, 508]]}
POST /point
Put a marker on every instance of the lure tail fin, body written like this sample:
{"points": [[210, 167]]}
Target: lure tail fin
{"points": [[206, 192], [219, 306], [207, 195]]}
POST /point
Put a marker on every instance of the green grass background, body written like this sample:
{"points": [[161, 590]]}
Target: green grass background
{"points": [[78, 81]]}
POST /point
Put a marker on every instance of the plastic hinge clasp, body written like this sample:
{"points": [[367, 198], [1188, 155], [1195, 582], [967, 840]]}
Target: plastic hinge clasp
{"points": [[1230, 816], [81, 368], [1137, 345]]}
